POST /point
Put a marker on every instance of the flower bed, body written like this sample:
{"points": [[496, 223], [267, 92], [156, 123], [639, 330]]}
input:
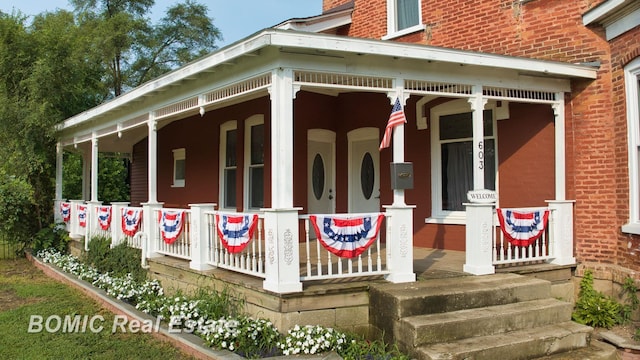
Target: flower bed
{"points": [[211, 316]]}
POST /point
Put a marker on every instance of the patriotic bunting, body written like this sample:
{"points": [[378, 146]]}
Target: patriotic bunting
{"points": [[236, 230], [82, 215], [522, 228], [171, 222], [347, 236], [131, 220], [104, 217], [65, 211]]}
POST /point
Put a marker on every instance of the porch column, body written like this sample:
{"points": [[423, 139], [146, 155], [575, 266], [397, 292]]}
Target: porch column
{"points": [[479, 238], [86, 175], [116, 222], [75, 231], [558, 111], [152, 159], [399, 214], [94, 168], [281, 220], [561, 231], [57, 217], [477, 103], [199, 236]]}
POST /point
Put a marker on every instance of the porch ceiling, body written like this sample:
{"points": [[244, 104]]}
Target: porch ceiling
{"points": [[251, 60]]}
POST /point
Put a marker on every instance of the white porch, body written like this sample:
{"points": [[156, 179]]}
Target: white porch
{"points": [[277, 64]]}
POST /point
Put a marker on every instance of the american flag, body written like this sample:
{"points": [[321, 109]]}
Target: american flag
{"points": [[396, 118]]}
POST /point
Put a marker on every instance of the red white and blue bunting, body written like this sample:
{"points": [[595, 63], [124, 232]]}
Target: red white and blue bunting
{"points": [[131, 220], [347, 236], [65, 211], [82, 215], [236, 230], [171, 223], [522, 228], [104, 217]]}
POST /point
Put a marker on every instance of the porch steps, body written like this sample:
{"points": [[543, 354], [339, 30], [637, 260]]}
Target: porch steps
{"points": [[502, 316]]}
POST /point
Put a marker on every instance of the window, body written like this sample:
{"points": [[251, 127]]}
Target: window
{"points": [[632, 89], [254, 160], [179, 161], [403, 17], [452, 159], [228, 164]]}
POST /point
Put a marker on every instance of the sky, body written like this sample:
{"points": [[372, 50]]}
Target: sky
{"points": [[235, 19]]}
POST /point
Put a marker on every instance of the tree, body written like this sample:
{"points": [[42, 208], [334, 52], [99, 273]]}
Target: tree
{"points": [[133, 50]]}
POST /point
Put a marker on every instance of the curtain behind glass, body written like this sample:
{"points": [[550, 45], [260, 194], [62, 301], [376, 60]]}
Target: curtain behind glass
{"points": [[407, 13], [457, 174]]}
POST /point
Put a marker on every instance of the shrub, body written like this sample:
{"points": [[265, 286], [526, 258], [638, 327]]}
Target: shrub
{"points": [[118, 261], [594, 308], [54, 236], [17, 210]]}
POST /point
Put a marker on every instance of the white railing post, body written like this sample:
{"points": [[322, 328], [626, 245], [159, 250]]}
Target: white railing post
{"points": [[479, 233], [150, 227], [282, 267], [75, 231], [116, 222], [400, 243], [92, 220], [561, 231], [199, 237]]}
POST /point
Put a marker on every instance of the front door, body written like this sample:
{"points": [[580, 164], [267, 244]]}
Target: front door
{"points": [[364, 170], [320, 171]]}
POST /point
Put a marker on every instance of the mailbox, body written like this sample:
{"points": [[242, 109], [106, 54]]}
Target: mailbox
{"points": [[402, 176]]}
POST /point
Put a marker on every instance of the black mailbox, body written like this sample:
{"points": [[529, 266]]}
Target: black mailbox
{"points": [[402, 176]]}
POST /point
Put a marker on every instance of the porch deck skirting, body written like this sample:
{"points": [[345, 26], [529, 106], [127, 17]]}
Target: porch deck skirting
{"points": [[284, 248]]}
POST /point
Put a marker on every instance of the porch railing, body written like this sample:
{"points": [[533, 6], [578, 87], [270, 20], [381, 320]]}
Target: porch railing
{"points": [[250, 260], [181, 246], [539, 250], [318, 263]]}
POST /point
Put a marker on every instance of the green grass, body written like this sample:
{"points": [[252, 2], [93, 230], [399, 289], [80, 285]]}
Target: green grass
{"points": [[26, 291]]}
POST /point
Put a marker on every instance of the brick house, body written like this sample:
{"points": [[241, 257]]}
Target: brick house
{"points": [[286, 123]]}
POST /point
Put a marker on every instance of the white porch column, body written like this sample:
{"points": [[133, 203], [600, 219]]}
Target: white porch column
{"points": [[281, 221], [75, 231], [479, 238], [561, 231], [57, 217], [558, 111], [151, 229], [199, 236], [152, 159], [94, 168], [399, 214], [477, 107], [116, 222]]}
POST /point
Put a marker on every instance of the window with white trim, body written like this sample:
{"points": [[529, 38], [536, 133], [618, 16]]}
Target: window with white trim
{"points": [[254, 162], [403, 17], [452, 159], [179, 162], [228, 164], [632, 92]]}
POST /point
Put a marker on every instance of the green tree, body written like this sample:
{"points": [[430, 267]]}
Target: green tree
{"points": [[133, 50]]}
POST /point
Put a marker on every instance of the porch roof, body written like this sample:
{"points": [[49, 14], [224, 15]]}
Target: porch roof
{"points": [[289, 43]]}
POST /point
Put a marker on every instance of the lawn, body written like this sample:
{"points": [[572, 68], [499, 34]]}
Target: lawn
{"points": [[26, 292]]}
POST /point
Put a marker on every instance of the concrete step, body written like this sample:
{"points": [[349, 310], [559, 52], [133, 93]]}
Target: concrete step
{"points": [[597, 350], [452, 294], [420, 330], [529, 343]]}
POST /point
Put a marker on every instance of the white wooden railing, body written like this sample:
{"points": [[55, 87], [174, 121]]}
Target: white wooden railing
{"points": [[181, 247], [249, 261], [318, 263], [540, 250]]}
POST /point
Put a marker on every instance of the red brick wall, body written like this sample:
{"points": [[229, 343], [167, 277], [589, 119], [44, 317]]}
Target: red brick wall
{"points": [[548, 30], [624, 49]]}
